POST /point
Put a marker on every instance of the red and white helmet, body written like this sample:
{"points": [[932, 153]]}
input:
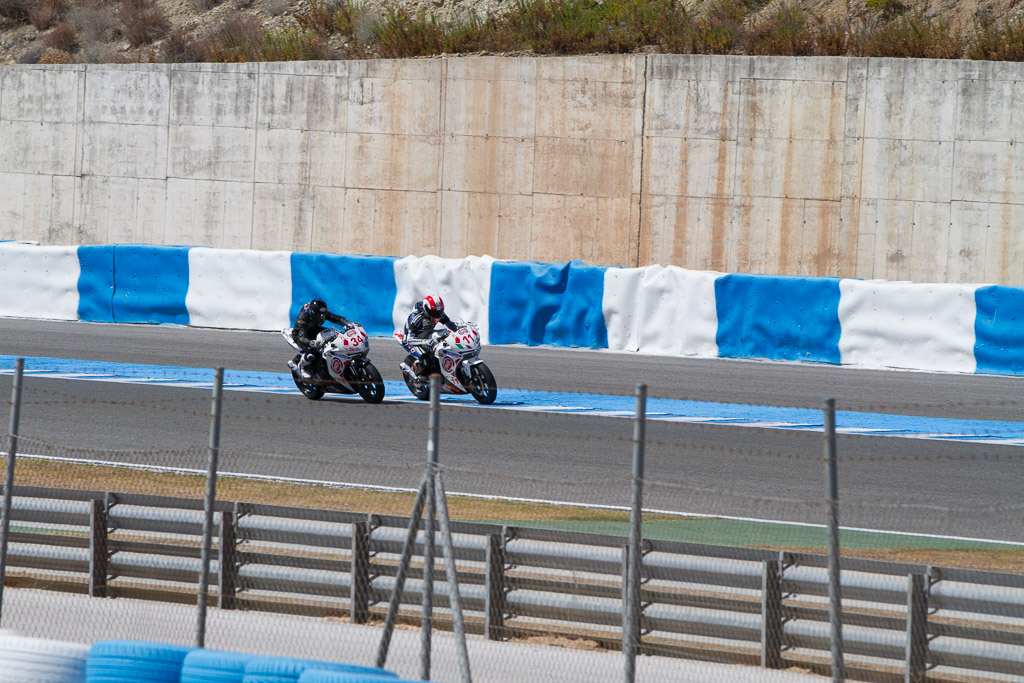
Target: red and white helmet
{"points": [[433, 307]]}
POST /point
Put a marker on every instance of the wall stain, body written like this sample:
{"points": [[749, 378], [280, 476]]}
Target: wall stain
{"points": [[720, 209]]}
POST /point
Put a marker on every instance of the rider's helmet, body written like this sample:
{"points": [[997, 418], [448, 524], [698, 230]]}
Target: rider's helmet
{"points": [[433, 307], [317, 310]]}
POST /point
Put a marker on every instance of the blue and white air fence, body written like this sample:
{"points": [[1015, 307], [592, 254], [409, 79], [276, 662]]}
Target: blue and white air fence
{"points": [[656, 310]]}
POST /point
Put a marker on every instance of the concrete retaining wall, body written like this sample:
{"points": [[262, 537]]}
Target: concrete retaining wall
{"points": [[871, 168]]}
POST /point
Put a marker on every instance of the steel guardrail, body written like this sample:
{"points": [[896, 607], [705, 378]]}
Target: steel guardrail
{"points": [[547, 581]]}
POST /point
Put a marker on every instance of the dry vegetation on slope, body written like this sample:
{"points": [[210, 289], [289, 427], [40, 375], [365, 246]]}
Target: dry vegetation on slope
{"points": [[102, 31]]}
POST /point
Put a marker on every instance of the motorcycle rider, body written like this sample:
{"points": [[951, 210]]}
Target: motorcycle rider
{"points": [[308, 324], [425, 316]]}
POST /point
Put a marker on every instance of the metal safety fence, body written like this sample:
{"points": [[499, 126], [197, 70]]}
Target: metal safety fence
{"points": [[848, 617]]}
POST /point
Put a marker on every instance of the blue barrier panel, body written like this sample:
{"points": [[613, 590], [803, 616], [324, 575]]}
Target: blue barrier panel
{"points": [[361, 288], [150, 284], [781, 318], [547, 303], [96, 284], [999, 330]]}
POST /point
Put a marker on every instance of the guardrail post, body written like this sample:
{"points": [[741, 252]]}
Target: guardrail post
{"points": [[360, 610], [227, 570], [625, 584], [917, 629], [771, 614], [99, 557], [5, 513], [494, 610]]}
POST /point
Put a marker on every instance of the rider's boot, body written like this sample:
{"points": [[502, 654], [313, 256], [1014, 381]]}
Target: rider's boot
{"points": [[304, 368]]}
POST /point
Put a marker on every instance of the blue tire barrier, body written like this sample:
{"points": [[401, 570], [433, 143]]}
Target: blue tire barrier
{"points": [[214, 666], [288, 669], [320, 676], [119, 661]]}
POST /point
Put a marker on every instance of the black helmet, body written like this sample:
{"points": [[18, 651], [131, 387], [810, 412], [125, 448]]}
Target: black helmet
{"points": [[317, 310]]}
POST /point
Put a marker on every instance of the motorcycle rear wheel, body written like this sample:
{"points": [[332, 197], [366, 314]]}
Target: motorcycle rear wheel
{"points": [[310, 391], [482, 384], [369, 383]]}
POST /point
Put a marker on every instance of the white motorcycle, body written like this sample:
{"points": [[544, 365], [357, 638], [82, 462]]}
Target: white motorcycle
{"points": [[457, 357], [341, 367]]}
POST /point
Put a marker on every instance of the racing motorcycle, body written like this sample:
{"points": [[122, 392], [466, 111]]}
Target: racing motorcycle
{"points": [[457, 357], [341, 367]]}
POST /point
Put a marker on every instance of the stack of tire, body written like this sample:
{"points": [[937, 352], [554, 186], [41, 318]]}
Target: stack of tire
{"points": [[30, 660], [124, 661]]}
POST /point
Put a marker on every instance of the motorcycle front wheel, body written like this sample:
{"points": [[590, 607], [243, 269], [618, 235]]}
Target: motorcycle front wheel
{"points": [[482, 384], [369, 383], [420, 390], [310, 391]]}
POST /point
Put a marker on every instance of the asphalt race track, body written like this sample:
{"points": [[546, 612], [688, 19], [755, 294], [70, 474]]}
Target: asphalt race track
{"points": [[920, 486]]}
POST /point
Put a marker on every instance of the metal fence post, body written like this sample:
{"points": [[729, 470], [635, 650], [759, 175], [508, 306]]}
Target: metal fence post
{"points": [[631, 615], [452, 573], [427, 614], [835, 603], [403, 567], [360, 612], [12, 451], [211, 494], [917, 629], [494, 610], [771, 615], [99, 558], [227, 573]]}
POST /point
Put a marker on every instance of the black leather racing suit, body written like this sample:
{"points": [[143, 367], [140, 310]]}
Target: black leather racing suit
{"points": [[305, 331]]}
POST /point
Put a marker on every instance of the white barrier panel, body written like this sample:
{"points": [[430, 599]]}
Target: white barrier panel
{"points": [[906, 325], [621, 307], [38, 282], [464, 284], [661, 310], [248, 290]]}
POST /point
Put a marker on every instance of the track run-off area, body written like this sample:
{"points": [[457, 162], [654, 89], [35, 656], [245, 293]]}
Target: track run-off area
{"points": [[927, 459]]}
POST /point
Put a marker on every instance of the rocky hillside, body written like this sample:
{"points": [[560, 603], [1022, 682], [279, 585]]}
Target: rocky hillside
{"points": [[103, 31]]}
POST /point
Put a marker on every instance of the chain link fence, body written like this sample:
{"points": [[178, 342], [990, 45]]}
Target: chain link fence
{"points": [[312, 551]]}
